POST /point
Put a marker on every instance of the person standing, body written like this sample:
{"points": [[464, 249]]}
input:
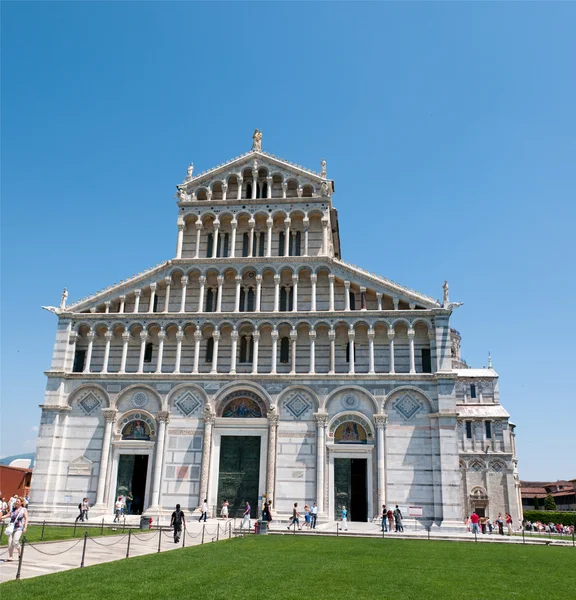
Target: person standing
{"points": [[474, 518], [246, 516], [85, 508], [177, 522], [500, 522], [344, 519], [295, 517], [314, 515], [384, 518], [390, 516], [204, 509], [129, 500], [398, 518], [224, 509], [509, 523], [118, 509], [17, 526], [80, 516]]}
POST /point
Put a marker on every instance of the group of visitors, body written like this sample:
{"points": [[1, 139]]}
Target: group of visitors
{"points": [[310, 516], [477, 524], [17, 517], [123, 506], [539, 527], [392, 518], [7, 507], [83, 508]]}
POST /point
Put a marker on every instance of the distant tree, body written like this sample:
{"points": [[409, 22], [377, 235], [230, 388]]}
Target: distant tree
{"points": [[536, 503], [549, 503]]}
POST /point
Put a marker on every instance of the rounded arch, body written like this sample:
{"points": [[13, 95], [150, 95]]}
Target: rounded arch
{"points": [[344, 388], [92, 395], [137, 387], [351, 416], [222, 397], [136, 425], [424, 322], [196, 389], [400, 320]]}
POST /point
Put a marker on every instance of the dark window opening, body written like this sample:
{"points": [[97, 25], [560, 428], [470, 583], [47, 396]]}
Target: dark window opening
{"points": [[245, 244], [264, 190], [210, 245], [226, 249], [426, 361], [210, 350], [210, 300], [250, 300], [469, 429], [348, 352], [155, 304], [472, 390], [148, 352], [291, 245], [242, 299], [79, 360], [298, 241], [283, 299], [246, 349], [281, 242], [488, 428], [352, 301], [248, 190], [262, 244], [284, 350]]}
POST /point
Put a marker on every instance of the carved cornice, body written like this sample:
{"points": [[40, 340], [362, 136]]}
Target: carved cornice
{"points": [[55, 407]]}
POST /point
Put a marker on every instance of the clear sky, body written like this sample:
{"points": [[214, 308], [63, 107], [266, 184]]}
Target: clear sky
{"points": [[449, 129]]}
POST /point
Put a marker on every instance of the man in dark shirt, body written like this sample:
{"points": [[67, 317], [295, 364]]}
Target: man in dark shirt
{"points": [[177, 522]]}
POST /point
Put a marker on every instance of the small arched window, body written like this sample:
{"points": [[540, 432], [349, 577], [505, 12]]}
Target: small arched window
{"points": [[210, 350], [348, 352], [225, 249], [264, 190], [298, 244], [242, 299], [285, 350], [148, 352], [472, 390], [210, 245], [262, 244], [245, 244], [250, 300], [246, 349], [352, 300], [248, 190], [281, 243], [209, 300]]}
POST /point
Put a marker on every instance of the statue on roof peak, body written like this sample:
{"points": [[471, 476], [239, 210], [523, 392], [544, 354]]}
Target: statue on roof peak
{"points": [[323, 167], [189, 171], [64, 298], [446, 299], [257, 137]]}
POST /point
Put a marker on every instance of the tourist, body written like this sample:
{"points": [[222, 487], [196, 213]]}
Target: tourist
{"points": [[118, 509], [490, 526], [344, 519], [383, 528], [266, 515], [509, 523], [224, 509], [314, 515], [390, 516], [500, 522], [474, 518], [129, 500], [307, 520], [80, 516], [177, 522], [269, 511], [3, 506], [483, 521], [398, 519], [204, 509], [85, 509], [17, 526], [246, 516], [295, 517]]}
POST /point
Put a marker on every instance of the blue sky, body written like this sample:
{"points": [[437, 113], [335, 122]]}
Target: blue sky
{"points": [[449, 129]]}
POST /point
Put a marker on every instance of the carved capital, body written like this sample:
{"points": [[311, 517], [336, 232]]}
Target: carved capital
{"points": [[181, 226], [411, 334], [202, 279], [331, 277], [179, 336], [184, 280], [216, 335], [143, 335], [163, 416], [312, 335], [351, 335], [234, 223], [331, 335], [220, 279], [137, 293], [347, 285], [293, 335], [313, 278], [91, 335], [391, 334], [107, 304], [109, 414], [371, 334], [274, 334], [122, 298], [216, 224], [380, 420], [273, 419], [295, 278], [287, 221], [321, 419], [168, 280], [162, 334], [199, 225], [125, 336], [269, 221], [256, 335], [234, 335], [251, 223], [276, 278], [258, 278], [198, 335], [73, 337], [108, 336]]}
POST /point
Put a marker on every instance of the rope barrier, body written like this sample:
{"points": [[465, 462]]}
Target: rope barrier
{"points": [[54, 553], [106, 545]]}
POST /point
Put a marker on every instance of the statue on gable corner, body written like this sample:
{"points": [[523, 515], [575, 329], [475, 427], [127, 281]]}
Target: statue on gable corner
{"points": [[183, 195], [64, 298], [325, 190], [446, 299], [257, 137], [189, 171], [323, 168]]}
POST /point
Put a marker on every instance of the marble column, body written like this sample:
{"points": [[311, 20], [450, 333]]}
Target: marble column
{"points": [[216, 338], [233, 352], [271, 463], [184, 282], [287, 237], [107, 306], [109, 418], [199, 228], [152, 297], [293, 341], [396, 302], [122, 304], [411, 335], [108, 337], [240, 183], [371, 335], [274, 336], [312, 336], [362, 298], [313, 281], [321, 419], [216, 226], [256, 338], [379, 300], [380, 422], [72, 340], [331, 279], [306, 224], [238, 280], [346, 296], [179, 338], [324, 237], [234, 225], [161, 338], [197, 340], [179, 243], [254, 183], [251, 225], [269, 223], [137, 300], [391, 335], [143, 338], [284, 190], [332, 338], [125, 341], [90, 336], [295, 293], [163, 418], [258, 293], [269, 187], [220, 280], [276, 293], [209, 419], [224, 190], [168, 281], [202, 283], [351, 361]]}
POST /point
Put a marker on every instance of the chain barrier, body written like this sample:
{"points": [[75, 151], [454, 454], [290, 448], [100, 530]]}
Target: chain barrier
{"points": [[144, 539], [106, 545], [55, 553]]}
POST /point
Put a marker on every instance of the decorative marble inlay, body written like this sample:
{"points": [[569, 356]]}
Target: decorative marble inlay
{"points": [[297, 405], [496, 466], [139, 399], [407, 406], [350, 402], [187, 403], [476, 466], [89, 403]]}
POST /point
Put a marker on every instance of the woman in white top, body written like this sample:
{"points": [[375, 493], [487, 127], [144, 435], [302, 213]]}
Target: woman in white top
{"points": [[224, 509], [118, 509], [18, 524]]}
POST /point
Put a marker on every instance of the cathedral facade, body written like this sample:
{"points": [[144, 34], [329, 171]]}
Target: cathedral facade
{"points": [[257, 364]]}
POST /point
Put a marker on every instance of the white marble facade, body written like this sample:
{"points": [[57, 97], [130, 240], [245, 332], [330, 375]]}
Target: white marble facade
{"points": [[257, 312]]}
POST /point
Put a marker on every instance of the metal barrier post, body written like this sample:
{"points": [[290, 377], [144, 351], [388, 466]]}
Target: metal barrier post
{"points": [[128, 546], [203, 530], [475, 535], [337, 528], [42, 534], [230, 531], [2, 530], [294, 527], [217, 531], [523, 540], [124, 525], [102, 528], [184, 536], [159, 537], [20, 558], [84, 549]]}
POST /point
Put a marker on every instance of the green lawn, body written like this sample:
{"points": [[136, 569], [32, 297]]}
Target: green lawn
{"points": [[301, 568], [54, 532]]}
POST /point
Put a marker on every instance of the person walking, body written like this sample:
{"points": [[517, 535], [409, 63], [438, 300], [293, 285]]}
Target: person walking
{"points": [[85, 508], [390, 516], [118, 509], [474, 518], [344, 519], [500, 522], [384, 515], [307, 518], [204, 510], [80, 516], [314, 515], [295, 517], [398, 519], [177, 522], [224, 509], [18, 525], [246, 516]]}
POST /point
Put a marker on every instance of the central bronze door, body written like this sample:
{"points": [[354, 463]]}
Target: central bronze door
{"points": [[239, 473], [350, 488]]}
